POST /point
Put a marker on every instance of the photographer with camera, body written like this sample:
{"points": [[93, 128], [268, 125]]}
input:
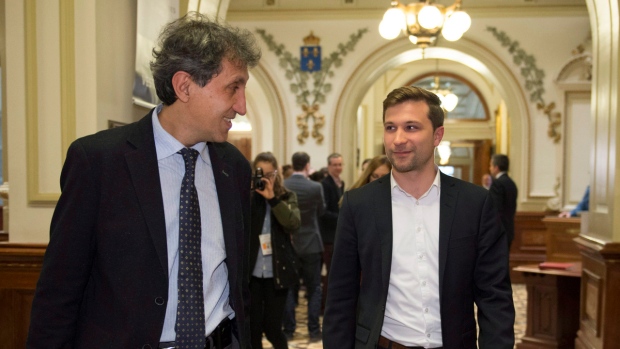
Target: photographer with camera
{"points": [[275, 216]]}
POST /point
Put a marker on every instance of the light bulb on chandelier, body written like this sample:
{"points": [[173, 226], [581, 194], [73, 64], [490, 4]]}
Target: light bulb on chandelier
{"points": [[448, 99], [423, 21]]}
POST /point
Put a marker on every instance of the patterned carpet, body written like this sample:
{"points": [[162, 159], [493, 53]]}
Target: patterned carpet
{"points": [[301, 339]]}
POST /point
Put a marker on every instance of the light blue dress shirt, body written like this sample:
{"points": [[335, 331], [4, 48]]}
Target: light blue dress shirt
{"points": [[215, 274], [264, 265]]}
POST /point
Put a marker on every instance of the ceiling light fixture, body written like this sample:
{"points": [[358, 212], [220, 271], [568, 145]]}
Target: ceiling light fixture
{"points": [[423, 21], [448, 99]]}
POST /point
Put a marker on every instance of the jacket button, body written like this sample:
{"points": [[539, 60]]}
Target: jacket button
{"points": [[158, 301], [147, 346]]}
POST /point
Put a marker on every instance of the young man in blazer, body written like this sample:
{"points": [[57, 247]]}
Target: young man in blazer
{"points": [[110, 276], [416, 249]]}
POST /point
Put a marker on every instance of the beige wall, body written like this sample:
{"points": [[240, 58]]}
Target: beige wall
{"points": [[100, 47]]}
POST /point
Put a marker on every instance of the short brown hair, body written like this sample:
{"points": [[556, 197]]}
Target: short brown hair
{"points": [[415, 94]]}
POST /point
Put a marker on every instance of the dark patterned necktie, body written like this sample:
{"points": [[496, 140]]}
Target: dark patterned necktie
{"points": [[190, 325]]}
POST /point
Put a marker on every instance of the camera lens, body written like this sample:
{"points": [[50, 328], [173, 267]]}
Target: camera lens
{"points": [[258, 179]]}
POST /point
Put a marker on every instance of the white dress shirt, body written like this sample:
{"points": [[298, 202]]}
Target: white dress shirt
{"points": [[215, 274], [412, 315]]}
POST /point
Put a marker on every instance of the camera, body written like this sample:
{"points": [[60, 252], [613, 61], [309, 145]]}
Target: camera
{"points": [[257, 179]]}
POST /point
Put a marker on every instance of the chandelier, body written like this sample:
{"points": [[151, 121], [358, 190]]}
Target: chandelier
{"points": [[423, 21], [448, 99]]}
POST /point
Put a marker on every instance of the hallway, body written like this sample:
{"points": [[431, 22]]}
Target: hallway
{"points": [[301, 339]]}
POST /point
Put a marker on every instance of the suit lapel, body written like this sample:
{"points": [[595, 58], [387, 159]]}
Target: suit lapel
{"points": [[144, 172], [229, 206], [383, 221], [447, 201]]}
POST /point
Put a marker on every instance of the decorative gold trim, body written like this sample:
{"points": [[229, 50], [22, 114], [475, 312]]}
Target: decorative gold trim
{"points": [[67, 75], [183, 7], [67, 94], [273, 14], [310, 112], [32, 110]]}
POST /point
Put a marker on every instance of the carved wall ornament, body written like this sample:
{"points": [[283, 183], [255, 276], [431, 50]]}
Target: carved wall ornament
{"points": [[310, 112], [309, 77], [533, 81]]}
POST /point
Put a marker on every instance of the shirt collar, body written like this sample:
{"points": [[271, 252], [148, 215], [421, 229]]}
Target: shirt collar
{"points": [[436, 183], [166, 145], [500, 174], [338, 181]]}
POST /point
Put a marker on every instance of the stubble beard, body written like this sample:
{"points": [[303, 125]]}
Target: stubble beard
{"points": [[415, 164]]}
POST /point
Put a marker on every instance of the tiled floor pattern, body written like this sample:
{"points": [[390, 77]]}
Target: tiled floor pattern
{"points": [[301, 339]]}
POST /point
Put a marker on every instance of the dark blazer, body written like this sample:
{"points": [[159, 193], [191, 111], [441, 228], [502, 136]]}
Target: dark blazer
{"points": [[329, 220], [504, 193], [284, 222], [311, 207], [473, 267], [104, 282]]}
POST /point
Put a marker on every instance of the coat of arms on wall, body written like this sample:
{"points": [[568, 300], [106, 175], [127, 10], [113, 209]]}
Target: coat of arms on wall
{"points": [[310, 65]]}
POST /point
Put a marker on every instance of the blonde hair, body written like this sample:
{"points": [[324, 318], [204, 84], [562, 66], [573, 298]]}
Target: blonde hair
{"points": [[374, 164]]}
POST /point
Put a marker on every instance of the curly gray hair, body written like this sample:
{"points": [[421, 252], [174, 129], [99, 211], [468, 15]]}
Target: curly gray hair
{"points": [[196, 45]]}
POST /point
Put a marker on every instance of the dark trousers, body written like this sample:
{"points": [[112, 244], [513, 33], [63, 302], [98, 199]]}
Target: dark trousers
{"points": [[266, 311], [310, 272], [328, 252]]}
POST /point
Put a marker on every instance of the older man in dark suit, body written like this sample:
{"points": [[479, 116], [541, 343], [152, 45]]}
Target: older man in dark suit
{"points": [[333, 188], [504, 193], [149, 238], [416, 249], [308, 245]]}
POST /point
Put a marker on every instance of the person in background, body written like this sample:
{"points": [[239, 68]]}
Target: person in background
{"points": [[275, 216], [583, 205], [416, 250], [149, 239], [487, 180], [319, 175], [287, 171], [377, 167], [308, 245], [365, 164], [333, 188], [504, 193]]}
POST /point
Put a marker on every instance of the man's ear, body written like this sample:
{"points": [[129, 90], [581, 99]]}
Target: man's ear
{"points": [[438, 135], [181, 83]]}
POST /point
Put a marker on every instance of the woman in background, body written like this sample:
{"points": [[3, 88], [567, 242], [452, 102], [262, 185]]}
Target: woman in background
{"points": [[377, 167], [274, 216]]}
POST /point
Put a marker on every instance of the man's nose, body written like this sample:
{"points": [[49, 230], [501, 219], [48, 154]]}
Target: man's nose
{"points": [[239, 106]]}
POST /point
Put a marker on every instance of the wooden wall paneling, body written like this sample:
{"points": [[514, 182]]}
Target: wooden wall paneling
{"points": [[600, 303], [561, 233], [20, 266], [552, 307], [529, 244]]}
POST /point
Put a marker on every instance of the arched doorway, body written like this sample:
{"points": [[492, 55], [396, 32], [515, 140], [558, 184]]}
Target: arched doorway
{"points": [[466, 52]]}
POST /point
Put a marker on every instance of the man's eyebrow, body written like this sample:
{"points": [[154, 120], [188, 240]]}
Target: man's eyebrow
{"points": [[240, 80]]}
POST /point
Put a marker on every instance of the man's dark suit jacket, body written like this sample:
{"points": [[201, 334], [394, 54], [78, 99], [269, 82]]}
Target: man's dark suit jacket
{"points": [[504, 192], [473, 267], [329, 220], [104, 282], [311, 207]]}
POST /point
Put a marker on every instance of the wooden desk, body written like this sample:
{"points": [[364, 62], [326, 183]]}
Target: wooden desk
{"points": [[552, 307], [559, 239]]}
